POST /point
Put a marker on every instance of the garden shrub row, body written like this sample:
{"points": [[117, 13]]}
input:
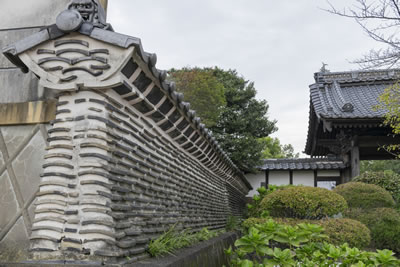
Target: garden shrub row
{"points": [[374, 207], [300, 245], [303, 202], [338, 231]]}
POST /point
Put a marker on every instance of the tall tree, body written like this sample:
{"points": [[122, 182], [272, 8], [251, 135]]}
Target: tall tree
{"points": [[202, 90], [242, 119]]}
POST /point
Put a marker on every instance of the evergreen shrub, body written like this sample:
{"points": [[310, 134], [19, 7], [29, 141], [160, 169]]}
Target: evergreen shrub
{"points": [[364, 196], [339, 231], [384, 224], [388, 180], [344, 230], [303, 202]]}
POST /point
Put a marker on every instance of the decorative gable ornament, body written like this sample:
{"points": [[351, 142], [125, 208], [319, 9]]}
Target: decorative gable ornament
{"points": [[79, 51]]}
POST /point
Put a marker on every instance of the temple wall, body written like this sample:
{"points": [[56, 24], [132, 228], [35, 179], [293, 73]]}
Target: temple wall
{"points": [[110, 169], [113, 180], [22, 146]]}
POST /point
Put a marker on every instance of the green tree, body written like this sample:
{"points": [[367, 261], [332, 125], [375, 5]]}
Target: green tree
{"points": [[380, 166], [243, 121], [275, 150], [227, 104], [202, 90]]}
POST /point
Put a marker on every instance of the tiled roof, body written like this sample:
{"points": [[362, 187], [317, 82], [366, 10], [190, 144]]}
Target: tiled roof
{"points": [[347, 97], [303, 164], [350, 94], [107, 35]]}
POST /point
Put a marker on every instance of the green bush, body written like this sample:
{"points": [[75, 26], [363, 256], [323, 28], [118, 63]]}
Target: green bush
{"points": [[299, 246], [388, 180], [344, 230], [303, 202], [339, 231], [384, 224], [365, 196], [254, 209]]}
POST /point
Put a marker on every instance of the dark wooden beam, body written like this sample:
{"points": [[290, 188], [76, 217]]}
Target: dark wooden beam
{"points": [[266, 178], [377, 141], [315, 178], [291, 177], [355, 161]]}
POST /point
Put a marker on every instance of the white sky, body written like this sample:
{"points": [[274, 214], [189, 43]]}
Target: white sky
{"points": [[277, 44]]}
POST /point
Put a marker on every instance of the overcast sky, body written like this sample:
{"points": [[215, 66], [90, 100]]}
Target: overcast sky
{"points": [[277, 44]]}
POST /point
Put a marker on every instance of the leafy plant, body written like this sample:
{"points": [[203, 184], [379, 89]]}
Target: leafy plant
{"points": [[174, 239], [232, 223], [303, 202], [254, 249]]}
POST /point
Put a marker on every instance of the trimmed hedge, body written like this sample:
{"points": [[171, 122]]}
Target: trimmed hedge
{"points": [[339, 231], [384, 224], [344, 230], [365, 196], [303, 202], [388, 180]]}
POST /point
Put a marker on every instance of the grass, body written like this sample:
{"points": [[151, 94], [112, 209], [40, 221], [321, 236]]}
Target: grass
{"points": [[174, 239]]}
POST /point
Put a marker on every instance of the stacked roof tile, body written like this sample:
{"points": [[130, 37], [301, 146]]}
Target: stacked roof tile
{"points": [[303, 164], [349, 97]]}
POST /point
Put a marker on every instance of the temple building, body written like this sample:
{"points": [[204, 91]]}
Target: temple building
{"points": [[344, 127]]}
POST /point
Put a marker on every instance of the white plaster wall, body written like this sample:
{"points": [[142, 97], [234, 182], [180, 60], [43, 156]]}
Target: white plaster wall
{"points": [[30, 13], [332, 173], [303, 177], [279, 177], [255, 179]]}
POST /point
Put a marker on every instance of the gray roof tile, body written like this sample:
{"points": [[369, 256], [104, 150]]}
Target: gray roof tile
{"points": [[332, 91], [302, 164], [348, 95]]}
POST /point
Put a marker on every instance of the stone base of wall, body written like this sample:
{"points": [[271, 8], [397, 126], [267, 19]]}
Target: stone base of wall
{"points": [[206, 254]]}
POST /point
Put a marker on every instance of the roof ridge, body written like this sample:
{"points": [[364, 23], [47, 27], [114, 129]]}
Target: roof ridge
{"points": [[357, 75]]}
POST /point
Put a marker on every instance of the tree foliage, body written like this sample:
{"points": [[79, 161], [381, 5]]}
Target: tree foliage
{"points": [[380, 20], [227, 104], [275, 150], [202, 90], [380, 166]]}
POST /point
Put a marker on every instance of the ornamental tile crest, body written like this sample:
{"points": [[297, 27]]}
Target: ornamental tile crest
{"points": [[79, 51]]}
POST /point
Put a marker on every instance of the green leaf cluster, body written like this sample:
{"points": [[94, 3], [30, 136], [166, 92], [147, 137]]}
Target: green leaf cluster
{"points": [[299, 246], [202, 90], [227, 104], [390, 103], [380, 166], [174, 239], [338, 230], [275, 150], [303, 202]]}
